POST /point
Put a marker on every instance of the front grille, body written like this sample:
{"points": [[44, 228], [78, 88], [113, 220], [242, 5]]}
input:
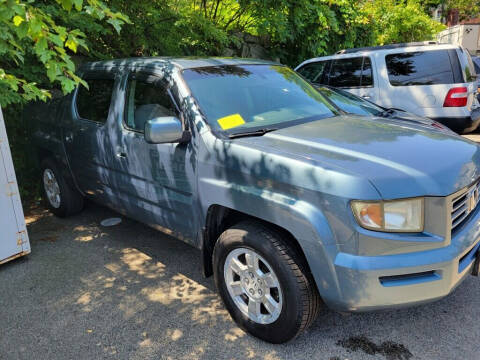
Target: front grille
{"points": [[464, 204]]}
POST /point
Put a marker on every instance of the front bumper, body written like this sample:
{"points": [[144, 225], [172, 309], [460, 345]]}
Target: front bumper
{"points": [[392, 281]]}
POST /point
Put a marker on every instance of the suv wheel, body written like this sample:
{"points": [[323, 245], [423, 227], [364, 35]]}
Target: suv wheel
{"points": [[264, 282], [60, 198]]}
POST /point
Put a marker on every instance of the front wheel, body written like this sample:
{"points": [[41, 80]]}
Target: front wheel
{"points": [[264, 282]]}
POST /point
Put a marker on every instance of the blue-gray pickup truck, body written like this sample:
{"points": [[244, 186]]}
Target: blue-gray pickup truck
{"points": [[293, 203]]}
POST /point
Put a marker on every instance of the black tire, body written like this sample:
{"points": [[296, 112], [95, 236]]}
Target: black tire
{"points": [[301, 301], [71, 201]]}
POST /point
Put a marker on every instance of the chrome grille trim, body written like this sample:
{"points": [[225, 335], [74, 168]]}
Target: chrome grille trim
{"points": [[458, 213], [459, 220], [464, 204], [461, 204]]}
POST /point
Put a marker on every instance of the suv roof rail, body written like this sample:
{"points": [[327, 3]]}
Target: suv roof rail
{"points": [[386, 47]]}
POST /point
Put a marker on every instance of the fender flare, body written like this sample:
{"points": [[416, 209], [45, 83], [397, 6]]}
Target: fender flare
{"points": [[305, 222]]}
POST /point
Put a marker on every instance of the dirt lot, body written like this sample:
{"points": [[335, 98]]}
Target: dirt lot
{"points": [[129, 292]]}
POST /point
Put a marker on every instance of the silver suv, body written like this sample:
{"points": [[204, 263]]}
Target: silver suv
{"points": [[435, 81]]}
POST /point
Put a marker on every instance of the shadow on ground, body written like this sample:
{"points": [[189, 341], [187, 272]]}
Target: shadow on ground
{"points": [[130, 292]]}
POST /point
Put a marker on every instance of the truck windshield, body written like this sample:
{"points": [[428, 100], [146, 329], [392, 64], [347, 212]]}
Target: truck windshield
{"points": [[246, 98]]}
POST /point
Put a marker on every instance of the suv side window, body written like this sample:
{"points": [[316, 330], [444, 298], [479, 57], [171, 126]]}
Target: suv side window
{"points": [[147, 98], [351, 72], [94, 103], [367, 76], [420, 68], [315, 71]]}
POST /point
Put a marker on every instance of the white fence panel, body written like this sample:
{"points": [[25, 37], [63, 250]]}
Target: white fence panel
{"points": [[13, 233]]}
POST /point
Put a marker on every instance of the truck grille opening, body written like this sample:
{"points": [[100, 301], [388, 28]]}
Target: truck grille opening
{"points": [[468, 258], [464, 204]]}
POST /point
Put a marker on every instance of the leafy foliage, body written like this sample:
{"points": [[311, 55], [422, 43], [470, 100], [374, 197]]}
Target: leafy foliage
{"points": [[466, 8], [302, 29], [28, 30], [401, 21]]}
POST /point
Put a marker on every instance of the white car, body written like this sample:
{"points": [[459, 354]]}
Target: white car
{"points": [[427, 79]]}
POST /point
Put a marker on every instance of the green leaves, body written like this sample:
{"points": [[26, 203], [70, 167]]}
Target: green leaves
{"points": [[401, 21], [14, 90], [17, 20], [29, 30], [116, 23]]}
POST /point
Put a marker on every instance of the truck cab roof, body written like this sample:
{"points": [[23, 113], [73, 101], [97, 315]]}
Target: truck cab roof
{"points": [[178, 62]]}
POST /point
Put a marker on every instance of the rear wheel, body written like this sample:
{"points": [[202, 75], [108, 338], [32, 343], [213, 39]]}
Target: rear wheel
{"points": [[60, 198], [264, 282]]}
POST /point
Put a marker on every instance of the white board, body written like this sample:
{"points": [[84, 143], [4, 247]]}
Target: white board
{"points": [[13, 232]]}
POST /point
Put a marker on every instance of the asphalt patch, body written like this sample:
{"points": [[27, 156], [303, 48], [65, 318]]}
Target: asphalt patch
{"points": [[51, 238], [389, 349]]}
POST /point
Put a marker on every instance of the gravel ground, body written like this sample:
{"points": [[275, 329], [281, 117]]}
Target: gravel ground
{"points": [[129, 292]]}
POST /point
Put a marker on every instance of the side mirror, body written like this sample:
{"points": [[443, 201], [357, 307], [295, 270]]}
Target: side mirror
{"points": [[162, 130]]}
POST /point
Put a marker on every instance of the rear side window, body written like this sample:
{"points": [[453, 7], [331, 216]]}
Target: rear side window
{"points": [[314, 71], [420, 68], [94, 103], [351, 72], [147, 99], [367, 77], [469, 67]]}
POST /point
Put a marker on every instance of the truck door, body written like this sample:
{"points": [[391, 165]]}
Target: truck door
{"points": [[154, 182], [87, 140]]}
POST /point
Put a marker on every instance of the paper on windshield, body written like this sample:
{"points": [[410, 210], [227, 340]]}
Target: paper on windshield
{"points": [[230, 121]]}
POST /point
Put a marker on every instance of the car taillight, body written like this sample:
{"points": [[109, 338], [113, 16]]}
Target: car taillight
{"points": [[456, 97]]}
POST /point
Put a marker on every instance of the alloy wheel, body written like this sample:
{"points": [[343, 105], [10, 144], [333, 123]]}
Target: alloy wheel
{"points": [[52, 189], [253, 285]]}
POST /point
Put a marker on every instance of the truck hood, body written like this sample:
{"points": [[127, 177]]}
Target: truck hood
{"points": [[400, 160]]}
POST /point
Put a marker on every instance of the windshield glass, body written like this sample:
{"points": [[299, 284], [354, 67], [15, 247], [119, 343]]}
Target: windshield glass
{"points": [[350, 103], [240, 98]]}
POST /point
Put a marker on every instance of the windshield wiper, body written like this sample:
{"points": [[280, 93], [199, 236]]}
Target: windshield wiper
{"points": [[258, 132], [386, 112]]}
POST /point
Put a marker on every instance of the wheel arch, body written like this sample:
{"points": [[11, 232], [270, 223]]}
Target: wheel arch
{"points": [[219, 218], [43, 152]]}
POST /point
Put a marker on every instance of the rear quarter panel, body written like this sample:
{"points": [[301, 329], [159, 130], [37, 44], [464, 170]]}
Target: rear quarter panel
{"points": [[45, 123]]}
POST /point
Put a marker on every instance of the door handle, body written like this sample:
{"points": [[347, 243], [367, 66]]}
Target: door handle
{"points": [[69, 137], [366, 96], [122, 155]]}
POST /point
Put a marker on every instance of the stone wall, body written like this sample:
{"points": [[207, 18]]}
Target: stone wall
{"points": [[249, 46]]}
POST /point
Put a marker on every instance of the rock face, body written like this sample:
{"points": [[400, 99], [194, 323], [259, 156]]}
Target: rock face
{"points": [[254, 51], [249, 46]]}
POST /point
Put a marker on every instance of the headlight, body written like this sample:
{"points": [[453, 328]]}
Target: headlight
{"points": [[393, 216]]}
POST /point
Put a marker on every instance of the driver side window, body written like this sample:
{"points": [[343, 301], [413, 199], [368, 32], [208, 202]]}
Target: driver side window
{"points": [[146, 100]]}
